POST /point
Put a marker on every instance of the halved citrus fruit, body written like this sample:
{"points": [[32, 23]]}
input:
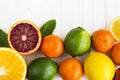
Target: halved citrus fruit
{"points": [[25, 37], [12, 65], [115, 28]]}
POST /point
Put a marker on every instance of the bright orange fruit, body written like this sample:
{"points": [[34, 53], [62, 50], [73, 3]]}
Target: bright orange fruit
{"points": [[70, 69], [102, 40], [52, 46], [115, 54]]}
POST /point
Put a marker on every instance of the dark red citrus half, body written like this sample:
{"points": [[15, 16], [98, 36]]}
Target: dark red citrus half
{"points": [[25, 37]]}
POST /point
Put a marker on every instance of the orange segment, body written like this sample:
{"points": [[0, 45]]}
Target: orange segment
{"points": [[115, 28], [12, 65]]}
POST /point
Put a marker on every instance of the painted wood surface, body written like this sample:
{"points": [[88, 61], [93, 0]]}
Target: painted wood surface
{"points": [[90, 14]]}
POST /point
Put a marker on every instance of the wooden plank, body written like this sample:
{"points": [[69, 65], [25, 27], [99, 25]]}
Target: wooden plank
{"points": [[94, 15], [71, 14], [88, 15], [117, 8], [111, 11], [40, 11], [7, 13], [99, 14]]}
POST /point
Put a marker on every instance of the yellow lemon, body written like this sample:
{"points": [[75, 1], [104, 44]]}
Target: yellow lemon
{"points": [[114, 28], [99, 66]]}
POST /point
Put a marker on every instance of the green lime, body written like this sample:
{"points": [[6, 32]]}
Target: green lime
{"points": [[77, 41], [42, 69]]}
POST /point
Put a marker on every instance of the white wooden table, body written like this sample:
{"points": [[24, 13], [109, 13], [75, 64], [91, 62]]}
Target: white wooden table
{"points": [[90, 14]]}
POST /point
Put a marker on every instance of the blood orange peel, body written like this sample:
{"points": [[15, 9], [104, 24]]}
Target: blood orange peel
{"points": [[25, 37]]}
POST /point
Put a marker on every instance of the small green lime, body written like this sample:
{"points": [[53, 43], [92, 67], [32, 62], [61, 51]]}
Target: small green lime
{"points": [[77, 41], [42, 69]]}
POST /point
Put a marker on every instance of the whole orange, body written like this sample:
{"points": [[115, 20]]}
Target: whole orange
{"points": [[52, 46], [115, 53], [102, 40], [70, 69]]}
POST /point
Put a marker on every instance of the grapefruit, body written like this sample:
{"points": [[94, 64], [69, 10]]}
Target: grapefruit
{"points": [[25, 37], [77, 41]]}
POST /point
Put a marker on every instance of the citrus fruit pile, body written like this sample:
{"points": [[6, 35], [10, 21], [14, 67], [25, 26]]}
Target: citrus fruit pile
{"points": [[24, 38]]}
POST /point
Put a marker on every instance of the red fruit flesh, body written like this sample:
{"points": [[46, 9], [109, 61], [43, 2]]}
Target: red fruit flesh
{"points": [[117, 75], [24, 37]]}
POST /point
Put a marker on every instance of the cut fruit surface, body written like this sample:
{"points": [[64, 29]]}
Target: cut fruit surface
{"points": [[12, 65], [25, 37], [115, 28]]}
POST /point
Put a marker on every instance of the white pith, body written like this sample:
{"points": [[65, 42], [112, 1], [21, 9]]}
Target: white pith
{"points": [[24, 37], [2, 71]]}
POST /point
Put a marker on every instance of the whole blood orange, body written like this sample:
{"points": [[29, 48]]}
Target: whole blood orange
{"points": [[102, 40], [25, 37], [70, 69], [115, 54], [52, 46]]}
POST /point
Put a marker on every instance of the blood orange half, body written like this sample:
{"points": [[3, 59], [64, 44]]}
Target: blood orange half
{"points": [[25, 37]]}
